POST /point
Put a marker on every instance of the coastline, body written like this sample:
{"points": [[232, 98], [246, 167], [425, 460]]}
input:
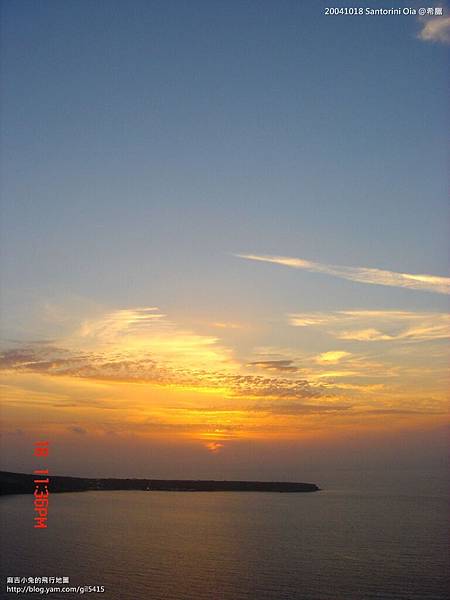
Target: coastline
{"points": [[23, 483]]}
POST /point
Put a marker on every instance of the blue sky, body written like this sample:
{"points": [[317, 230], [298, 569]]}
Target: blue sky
{"points": [[153, 142], [146, 144]]}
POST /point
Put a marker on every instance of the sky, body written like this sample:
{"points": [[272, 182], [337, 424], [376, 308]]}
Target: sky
{"points": [[224, 239]]}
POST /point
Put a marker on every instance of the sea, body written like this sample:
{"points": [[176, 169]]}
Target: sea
{"points": [[363, 537]]}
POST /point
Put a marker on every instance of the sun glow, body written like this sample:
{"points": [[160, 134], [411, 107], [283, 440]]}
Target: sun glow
{"points": [[135, 372]]}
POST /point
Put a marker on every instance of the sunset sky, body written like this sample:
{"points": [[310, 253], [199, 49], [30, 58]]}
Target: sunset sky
{"points": [[224, 245]]}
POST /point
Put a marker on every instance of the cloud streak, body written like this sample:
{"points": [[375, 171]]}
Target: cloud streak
{"points": [[420, 282], [275, 365], [378, 325]]}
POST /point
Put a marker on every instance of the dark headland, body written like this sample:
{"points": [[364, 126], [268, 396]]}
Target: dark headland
{"points": [[21, 483]]}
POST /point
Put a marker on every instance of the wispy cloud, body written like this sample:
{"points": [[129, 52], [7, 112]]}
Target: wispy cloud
{"points": [[226, 325], [421, 282], [333, 356], [275, 365], [435, 29], [299, 408], [377, 325], [148, 332], [134, 321]]}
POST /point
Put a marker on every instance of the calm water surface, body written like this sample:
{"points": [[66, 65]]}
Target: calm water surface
{"points": [[344, 543]]}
